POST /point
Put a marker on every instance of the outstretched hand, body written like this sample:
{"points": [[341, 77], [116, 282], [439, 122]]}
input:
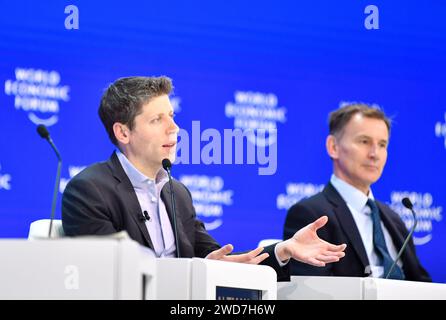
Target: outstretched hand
{"points": [[251, 257], [306, 246]]}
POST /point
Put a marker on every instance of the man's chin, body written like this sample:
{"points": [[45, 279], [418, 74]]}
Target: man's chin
{"points": [[372, 179]]}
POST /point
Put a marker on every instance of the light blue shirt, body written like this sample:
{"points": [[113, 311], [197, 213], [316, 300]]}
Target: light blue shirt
{"points": [[148, 193], [361, 212]]}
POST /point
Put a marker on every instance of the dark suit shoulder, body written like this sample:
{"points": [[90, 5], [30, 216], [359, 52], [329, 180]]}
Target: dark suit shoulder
{"points": [[302, 213], [309, 209], [311, 203], [96, 172], [94, 183], [89, 202], [97, 178]]}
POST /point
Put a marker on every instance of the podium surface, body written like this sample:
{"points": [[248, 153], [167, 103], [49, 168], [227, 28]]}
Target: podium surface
{"points": [[354, 288], [109, 268], [100, 268]]}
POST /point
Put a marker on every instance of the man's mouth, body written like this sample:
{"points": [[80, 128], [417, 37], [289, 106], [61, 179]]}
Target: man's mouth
{"points": [[169, 145]]}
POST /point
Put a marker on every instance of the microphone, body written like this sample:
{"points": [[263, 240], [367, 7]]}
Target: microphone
{"points": [[145, 216], [408, 204], [43, 132], [167, 165]]}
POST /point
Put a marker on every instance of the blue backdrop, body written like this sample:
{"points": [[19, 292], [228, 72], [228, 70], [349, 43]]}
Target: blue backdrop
{"points": [[234, 64]]}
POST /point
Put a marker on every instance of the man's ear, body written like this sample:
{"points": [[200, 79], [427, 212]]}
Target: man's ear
{"points": [[122, 132], [332, 146]]}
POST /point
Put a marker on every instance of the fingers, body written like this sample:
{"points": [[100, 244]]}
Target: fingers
{"points": [[322, 260], [337, 254], [259, 258], [340, 247], [319, 223], [328, 258], [315, 262], [336, 248], [254, 253], [252, 257], [321, 257], [333, 253], [244, 258], [247, 257], [220, 253]]}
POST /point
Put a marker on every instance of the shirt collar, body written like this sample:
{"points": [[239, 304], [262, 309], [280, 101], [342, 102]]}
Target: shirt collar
{"points": [[352, 196], [137, 178]]}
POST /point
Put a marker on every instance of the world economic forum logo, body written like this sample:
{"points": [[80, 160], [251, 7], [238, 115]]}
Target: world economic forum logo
{"points": [[5, 180], [38, 93], [427, 213], [209, 197], [295, 192], [259, 112]]}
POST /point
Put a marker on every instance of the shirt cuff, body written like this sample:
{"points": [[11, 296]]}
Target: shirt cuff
{"points": [[281, 264]]}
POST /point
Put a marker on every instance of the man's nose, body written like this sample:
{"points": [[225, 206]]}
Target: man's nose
{"points": [[173, 127], [373, 152]]}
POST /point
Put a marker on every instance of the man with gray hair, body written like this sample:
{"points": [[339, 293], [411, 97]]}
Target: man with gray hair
{"points": [[374, 233], [129, 191]]}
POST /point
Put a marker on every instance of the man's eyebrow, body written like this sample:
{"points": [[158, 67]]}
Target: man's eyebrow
{"points": [[362, 136]]}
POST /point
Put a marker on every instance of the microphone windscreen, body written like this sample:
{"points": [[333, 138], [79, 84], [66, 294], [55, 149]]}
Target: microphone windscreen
{"points": [[407, 203], [166, 164], [43, 132]]}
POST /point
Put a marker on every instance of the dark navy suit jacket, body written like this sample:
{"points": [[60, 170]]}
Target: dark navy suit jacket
{"points": [[341, 228]]}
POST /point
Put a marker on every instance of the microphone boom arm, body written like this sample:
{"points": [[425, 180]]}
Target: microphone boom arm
{"points": [[172, 199], [44, 134], [408, 206], [56, 190]]}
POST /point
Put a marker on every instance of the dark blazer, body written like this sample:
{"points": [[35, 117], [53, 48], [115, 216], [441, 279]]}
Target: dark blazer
{"points": [[101, 200], [341, 228]]}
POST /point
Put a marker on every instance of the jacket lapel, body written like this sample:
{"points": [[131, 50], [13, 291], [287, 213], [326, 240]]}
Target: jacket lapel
{"points": [[128, 195], [346, 222], [395, 234]]}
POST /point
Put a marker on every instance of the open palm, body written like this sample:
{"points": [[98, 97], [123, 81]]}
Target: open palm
{"points": [[306, 246]]}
